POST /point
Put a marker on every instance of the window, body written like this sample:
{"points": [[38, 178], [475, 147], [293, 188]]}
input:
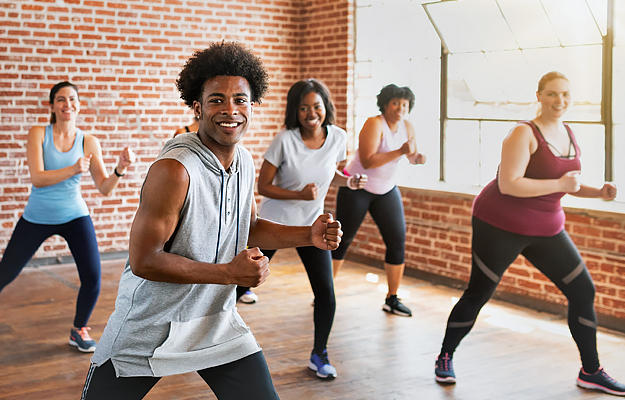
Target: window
{"points": [[494, 53]]}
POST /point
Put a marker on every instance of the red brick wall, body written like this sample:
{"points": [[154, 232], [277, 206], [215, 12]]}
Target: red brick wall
{"points": [[125, 57], [439, 244]]}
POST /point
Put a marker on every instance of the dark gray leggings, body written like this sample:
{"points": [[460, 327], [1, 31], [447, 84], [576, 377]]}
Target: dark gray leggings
{"points": [[555, 256], [247, 378], [387, 210], [318, 264]]}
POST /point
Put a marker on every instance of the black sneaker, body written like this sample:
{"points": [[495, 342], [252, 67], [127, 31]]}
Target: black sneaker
{"points": [[394, 306], [445, 369], [600, 380]]}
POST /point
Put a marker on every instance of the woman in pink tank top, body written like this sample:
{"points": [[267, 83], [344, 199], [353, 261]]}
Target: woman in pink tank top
{"points": [[520, 213], [383, 141]]}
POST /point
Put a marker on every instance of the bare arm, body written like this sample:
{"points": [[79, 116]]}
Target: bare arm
{"points": [[369, 141], [325, 233], [155, 222], [268, 189], [415, 157], [104, 182], [516, 151], [353, 182], [34, 155], [606, 192]]}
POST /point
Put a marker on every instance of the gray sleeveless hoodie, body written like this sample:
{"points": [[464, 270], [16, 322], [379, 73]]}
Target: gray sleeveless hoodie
{"points": [[159, 328]]}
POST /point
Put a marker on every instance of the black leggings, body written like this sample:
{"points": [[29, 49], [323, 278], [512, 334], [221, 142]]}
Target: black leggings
{"points": [[555, 256], [247, 378], [318, 264], [387, 210], [80, 236]]}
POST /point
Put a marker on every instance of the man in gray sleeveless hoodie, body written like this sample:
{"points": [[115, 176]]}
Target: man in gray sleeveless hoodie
{"points": [[175, 310]]}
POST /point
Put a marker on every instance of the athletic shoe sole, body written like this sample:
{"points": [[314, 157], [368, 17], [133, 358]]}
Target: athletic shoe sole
{"points": [[89, 350], [395, 311], [313, 367], [594, 386], [448, 379]]}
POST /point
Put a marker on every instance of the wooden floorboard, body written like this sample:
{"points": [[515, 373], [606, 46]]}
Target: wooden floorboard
{"points": [[512, 353]]}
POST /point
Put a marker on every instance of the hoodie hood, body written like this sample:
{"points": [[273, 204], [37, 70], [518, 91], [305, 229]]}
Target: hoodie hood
{"points": [[190, 141]]}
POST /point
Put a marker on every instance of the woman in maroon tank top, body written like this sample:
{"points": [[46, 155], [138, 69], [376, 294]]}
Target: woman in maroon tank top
{"points": [[520, 213]]}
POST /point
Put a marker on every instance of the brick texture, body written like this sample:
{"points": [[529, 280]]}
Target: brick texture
{"points": [[125, 57], [439, 242]]}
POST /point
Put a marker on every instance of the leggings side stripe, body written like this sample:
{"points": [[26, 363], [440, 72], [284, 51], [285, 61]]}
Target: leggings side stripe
{"points": [[87, 381], [574, 274], [460, 324], [587, 322], [485, 270]]}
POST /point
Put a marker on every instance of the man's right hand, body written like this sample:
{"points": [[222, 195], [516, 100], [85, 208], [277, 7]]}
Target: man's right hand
{"points": [[249, 268]]}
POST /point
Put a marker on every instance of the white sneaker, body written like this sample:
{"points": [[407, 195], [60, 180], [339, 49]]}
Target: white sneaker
{"points": [[249, 297]]}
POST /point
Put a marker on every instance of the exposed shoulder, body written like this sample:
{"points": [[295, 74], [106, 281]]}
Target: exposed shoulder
{"points": [[165, 173], [521, 130], [91, 144], [37, 132], [521, 135], [373, 126], [170, 172], [374, 121]]}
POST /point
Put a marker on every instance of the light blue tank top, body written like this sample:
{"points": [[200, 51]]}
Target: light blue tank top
{"points": [[61, 202]]}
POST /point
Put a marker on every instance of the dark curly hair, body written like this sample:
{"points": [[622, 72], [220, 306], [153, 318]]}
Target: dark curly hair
{"points": [[222, 59], [392, 91], [296, 94], [55, 89]]}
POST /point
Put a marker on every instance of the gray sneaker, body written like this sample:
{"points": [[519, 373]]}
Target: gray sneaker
{"points": [[81, 339], [600, 380]]}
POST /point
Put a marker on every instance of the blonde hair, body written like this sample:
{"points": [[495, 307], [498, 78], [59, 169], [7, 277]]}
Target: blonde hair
{"points": [[548, 77]]}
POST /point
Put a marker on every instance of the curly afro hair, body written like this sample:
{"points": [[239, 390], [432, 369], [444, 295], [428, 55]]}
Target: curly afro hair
{"points": [[392, 91], [222, 59]]}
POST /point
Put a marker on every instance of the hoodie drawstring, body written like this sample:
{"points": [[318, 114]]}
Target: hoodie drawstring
{"points": [[236, 246], [221, 205]]}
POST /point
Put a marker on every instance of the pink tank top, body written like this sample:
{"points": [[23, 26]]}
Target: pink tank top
{"points": [[382, 179], [531, 216]]}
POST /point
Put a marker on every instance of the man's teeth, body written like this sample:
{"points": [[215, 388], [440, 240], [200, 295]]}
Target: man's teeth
{"points": [[232, 125]]}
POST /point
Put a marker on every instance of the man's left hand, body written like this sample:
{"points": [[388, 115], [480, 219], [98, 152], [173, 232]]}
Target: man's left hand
{"points": [[326, 232]]}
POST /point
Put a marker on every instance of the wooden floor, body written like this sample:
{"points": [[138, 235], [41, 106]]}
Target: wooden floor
{"points": [[512, 353]]}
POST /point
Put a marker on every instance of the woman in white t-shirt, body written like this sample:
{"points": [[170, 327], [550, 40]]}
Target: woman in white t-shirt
{"points": [[299, 167]]}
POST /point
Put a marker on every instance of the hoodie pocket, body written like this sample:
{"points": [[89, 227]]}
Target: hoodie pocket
{"points": [[202, 333]]}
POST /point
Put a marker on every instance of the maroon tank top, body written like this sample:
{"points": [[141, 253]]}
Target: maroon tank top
{"points": [[531, 216]]}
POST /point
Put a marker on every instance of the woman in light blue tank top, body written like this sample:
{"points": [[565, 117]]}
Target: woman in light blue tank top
{"points": [[58, 155]]}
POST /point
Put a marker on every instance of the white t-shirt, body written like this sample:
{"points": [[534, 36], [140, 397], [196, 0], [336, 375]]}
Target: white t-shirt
{"points": [[299, 165]]}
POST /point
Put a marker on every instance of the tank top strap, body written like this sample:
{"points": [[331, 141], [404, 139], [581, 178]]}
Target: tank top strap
{"points": [[48, 138], [572, 136], [537, 134], [386, 130]]}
